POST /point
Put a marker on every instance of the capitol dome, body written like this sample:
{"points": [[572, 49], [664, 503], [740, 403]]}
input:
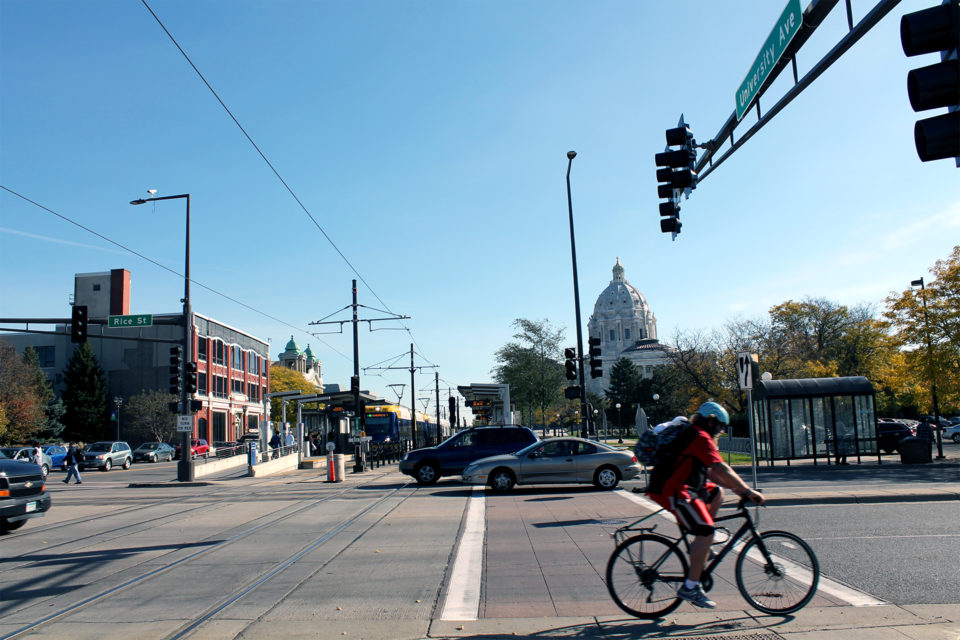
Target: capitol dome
{"points": [[626, 327], [621, 313]]}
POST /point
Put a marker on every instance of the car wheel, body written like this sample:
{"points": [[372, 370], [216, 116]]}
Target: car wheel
{"points": [[126, 463], [606, 478], [45, 469], [502, 480], [6, 525], [956, 437], [108, 465], [426, 473]]}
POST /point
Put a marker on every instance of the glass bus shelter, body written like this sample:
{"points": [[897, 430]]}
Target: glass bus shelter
{"points": [[815, 418]]}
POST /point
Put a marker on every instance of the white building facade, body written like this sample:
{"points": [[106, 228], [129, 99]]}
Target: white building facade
{"points": [[627, 328]]}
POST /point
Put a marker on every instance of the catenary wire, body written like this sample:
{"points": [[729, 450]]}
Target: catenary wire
{"points": [[272, 168], [164, 267]]}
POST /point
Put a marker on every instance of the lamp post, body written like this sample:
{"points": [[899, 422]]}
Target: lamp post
{"points": [[619, 425], [185, 465], [933, 381], [118, 401], [576, 303]]}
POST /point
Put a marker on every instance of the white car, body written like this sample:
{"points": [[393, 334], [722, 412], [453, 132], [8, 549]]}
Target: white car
{"points": [[953, 433]]}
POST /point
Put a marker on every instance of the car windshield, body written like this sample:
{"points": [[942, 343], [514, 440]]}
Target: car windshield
{"points": [[9, 452], [3, 455], [148, 446], [98, 446]]}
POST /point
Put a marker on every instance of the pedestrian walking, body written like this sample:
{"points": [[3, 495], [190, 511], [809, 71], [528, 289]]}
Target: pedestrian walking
{"points": [[275, 444], [73, 459], [36, 456]]}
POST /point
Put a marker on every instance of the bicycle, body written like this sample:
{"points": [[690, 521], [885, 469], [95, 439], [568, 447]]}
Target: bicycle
{"points": [[776, 571]]}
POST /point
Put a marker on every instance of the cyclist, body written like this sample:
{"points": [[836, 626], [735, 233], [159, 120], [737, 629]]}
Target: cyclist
{"points": [[686, 485]]}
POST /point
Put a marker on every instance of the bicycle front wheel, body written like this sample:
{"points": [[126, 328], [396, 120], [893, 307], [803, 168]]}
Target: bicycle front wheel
{"points": [[644, 573], [777, 572]]}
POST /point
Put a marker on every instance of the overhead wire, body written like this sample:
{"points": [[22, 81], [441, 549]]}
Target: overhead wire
{"points": [[273, 168], [163, 266]]}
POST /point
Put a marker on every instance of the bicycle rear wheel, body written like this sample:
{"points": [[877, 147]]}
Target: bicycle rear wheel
{"points": [[783, 579], [644, 573]]}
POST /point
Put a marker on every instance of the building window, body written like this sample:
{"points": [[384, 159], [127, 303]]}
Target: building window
{"points": [[613, 335], [626, 334], [217, 352], [202, 384], [96, 287], [236, 386], [45, 356], [202, 349], [253, 363], [253, 392], [236, 358]]}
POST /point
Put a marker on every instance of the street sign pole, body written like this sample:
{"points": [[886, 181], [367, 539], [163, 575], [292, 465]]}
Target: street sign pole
{"points": [[745, 372]]}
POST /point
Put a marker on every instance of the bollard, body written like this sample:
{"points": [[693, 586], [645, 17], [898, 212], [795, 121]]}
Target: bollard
{"points": [[339, 462], [331, 468]]}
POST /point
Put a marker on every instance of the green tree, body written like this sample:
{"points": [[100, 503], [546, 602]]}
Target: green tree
{"points": [[51, 427], [532, 367], [625, 387], [931, 338], [20, 398], [146, 416], [85, 396], [287, 379]]}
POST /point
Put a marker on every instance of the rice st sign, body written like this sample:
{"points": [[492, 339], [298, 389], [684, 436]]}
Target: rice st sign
{"points": [[120, 322], [783, 32]]}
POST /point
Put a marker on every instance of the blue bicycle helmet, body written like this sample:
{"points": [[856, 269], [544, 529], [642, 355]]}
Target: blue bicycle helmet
{"points": [[708, 409]]}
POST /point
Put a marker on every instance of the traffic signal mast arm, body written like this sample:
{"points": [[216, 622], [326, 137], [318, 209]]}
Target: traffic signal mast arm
{"points": [[813, 17]]}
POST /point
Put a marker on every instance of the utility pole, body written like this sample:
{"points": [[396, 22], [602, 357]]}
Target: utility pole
{"points": [[358, 423], [436, 382], [413, 389]]}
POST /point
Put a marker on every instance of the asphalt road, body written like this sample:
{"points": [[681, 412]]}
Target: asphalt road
{"points": [[376, 556]]}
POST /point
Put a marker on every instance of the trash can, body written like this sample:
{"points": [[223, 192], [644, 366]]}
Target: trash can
{"points": [[252, 454], [339, 461], [915, 450]]}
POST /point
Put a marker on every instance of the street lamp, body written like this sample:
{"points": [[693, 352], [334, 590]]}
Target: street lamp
{"points": [[576, 303], [118, 401], [933, 382], [185, 465], [619, 425]]}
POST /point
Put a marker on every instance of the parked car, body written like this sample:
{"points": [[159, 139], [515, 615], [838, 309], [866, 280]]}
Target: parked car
{"points": [[25, 454], [429, 464], [198, 447], [944, 423], [226, 449], [953, 433], [556, 461], [23, 493], [57, 453], [890, 433], [106, 455], [954, 420], [153, 452]]}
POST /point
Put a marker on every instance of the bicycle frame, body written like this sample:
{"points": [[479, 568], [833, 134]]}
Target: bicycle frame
{"points": [[741, 513]]}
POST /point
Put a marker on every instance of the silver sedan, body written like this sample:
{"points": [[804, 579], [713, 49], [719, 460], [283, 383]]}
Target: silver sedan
{"points": [[555, 461]]}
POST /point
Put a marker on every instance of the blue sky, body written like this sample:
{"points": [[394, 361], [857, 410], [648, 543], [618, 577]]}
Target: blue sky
{"points": [[428, 139]]}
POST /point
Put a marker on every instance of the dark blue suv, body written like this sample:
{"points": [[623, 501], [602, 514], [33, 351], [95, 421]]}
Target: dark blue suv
{"points": [[450, 457]]}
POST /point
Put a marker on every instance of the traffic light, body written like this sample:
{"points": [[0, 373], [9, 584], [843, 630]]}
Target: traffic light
{"points": [[596, 365], [937, 85], [571, 393], [453, 410], [675, 175], [78, 323], [191, 377], [176, 366], [570, 363]]}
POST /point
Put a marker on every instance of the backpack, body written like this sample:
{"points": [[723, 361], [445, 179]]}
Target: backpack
{"points": [[78, 456], [654, 446]]}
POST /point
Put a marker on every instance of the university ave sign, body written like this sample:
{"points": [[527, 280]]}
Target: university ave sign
{"points": [[783, 32]]}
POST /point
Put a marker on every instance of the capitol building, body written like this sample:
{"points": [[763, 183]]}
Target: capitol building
{"points": [[627, 328]]}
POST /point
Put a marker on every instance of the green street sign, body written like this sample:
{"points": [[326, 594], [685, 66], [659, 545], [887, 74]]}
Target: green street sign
{"points": [[120, 322], [783, 31]]}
